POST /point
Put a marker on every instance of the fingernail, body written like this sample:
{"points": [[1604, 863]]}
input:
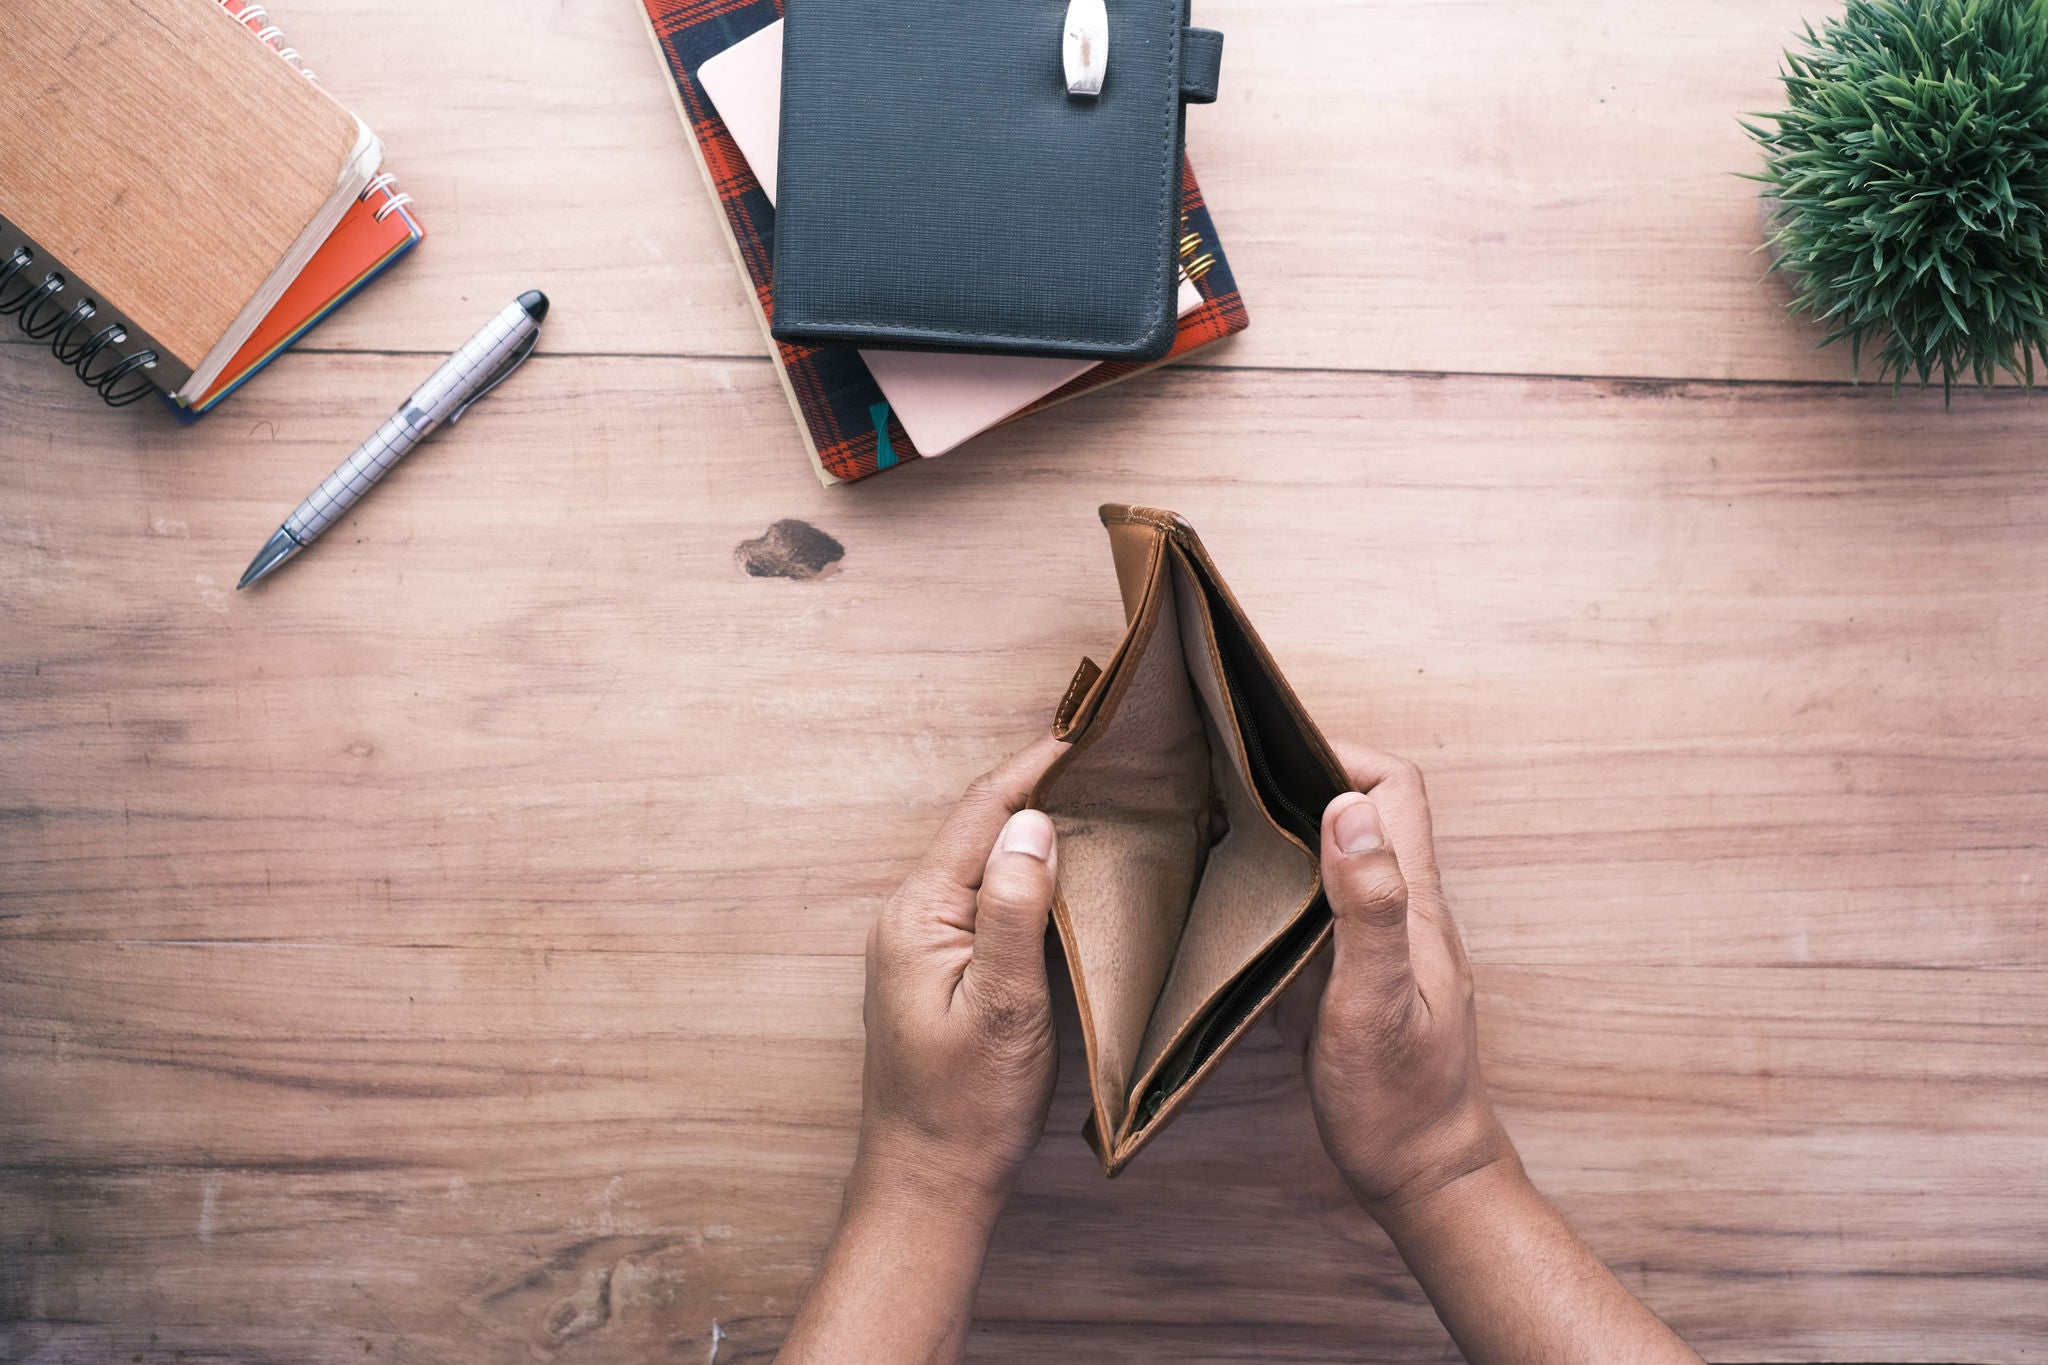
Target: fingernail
{"points": [[1358, 828], [1028, 832]]}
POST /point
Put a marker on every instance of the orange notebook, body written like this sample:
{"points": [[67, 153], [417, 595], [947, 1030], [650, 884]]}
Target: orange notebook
{"points": [[377, 229]]}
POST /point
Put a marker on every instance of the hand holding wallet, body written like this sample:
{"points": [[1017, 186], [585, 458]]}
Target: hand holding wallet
{"points": [[1189, 813]]}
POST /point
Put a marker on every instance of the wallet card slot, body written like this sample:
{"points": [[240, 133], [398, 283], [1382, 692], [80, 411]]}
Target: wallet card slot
{"points": [[1287, 768]]}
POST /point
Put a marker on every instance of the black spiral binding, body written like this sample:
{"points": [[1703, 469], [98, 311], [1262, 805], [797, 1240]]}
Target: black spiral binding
{"points": [[38, 309]]}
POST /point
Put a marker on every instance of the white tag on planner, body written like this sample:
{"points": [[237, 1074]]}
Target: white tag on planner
{"points": [[1086, 48]]}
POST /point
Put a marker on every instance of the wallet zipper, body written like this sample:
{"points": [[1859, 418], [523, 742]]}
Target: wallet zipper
{"points": [[1193, 1051], [1237, 1006]]}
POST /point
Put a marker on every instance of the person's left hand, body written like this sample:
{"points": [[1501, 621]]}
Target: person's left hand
{"points": [[960, 1063], [961, 1052]]}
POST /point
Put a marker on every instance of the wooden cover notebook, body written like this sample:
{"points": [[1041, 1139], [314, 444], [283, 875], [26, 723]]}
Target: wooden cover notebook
{"points": [[167, 178], [376, 230]]}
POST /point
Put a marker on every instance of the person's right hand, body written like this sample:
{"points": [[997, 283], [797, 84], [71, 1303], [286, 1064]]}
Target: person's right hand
{"points": [[1391, 1046], [1386, 1021]]}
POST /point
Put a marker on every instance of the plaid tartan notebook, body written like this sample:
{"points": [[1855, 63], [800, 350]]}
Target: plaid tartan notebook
{"points": [[844, 416]]}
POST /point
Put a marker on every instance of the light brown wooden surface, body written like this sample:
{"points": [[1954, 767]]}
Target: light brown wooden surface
{"points": [[450, 953]]}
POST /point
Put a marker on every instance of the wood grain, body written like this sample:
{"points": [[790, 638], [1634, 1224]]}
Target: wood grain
{"points": [[449, 953], [449, 1152], [1642, 639], [1452, 185]]}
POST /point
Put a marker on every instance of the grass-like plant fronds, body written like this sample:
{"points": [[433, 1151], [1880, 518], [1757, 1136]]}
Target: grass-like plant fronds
{"points": [[1910, 173]]}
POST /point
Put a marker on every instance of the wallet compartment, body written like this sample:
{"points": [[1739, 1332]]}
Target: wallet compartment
{"points": [[1131, 803], [1257, 880], [1251, 909]]}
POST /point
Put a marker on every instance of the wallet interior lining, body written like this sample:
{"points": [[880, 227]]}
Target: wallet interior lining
{"points": [[1131, 803], [1256, 878], [1177, 941], [1293, 784]]}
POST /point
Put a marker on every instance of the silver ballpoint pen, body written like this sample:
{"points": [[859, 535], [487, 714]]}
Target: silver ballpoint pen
{"points": [[480, 366]]}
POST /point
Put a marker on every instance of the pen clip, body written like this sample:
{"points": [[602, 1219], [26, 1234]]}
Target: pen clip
{"points": [[512, 362]]}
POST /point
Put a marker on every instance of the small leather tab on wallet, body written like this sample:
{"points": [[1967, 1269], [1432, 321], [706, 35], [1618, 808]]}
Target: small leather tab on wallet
{"points": [[1189, 812], [1080, 692]]}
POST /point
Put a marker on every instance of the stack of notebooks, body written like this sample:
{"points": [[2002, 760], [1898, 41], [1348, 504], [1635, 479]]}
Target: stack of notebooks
{"points": [[179, 200], [862, 408]]}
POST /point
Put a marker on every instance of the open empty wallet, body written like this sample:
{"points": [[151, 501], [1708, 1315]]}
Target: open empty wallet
{"points": [[1189, 814]]}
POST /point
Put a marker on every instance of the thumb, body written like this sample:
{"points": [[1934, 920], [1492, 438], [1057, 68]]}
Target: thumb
{"points": [[1368, 895], [1011, 909]]}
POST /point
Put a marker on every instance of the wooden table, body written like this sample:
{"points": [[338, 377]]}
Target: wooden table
{"points": [[451, 953]]}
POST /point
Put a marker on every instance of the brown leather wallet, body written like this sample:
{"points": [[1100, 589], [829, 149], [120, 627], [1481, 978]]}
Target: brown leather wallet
{"points": [[1189, 813]]}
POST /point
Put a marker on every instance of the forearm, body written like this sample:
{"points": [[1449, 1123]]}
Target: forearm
{"points": [[1513, 1283], [898, 1280]]}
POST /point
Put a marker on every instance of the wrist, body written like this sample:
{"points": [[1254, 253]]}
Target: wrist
{"points": [[1466, 1151], [894, 1185], [1469, 1194], [899, 1276]]}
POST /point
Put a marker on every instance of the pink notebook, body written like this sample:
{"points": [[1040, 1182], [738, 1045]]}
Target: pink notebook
{"points": [[942, 398]]}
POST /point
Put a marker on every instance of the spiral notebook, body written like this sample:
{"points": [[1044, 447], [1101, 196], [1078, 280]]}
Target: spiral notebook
{"points": [[376, 230], [145, 235]]}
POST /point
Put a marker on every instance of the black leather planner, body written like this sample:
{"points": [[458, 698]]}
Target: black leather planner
{"points": [[940, 186]]}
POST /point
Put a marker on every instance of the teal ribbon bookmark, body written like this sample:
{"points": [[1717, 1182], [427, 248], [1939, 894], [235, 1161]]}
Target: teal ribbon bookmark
{"points": [[885, 454]]}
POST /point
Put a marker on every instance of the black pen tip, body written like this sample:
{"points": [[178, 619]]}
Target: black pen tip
{"points": [[535, 303]]}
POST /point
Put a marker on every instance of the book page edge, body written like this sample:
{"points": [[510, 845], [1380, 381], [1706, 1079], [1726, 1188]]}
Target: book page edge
{"points": [[355, 174], [803, 426]]}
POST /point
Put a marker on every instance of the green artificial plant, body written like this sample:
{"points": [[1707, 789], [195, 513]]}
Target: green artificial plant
{"points": [[1910, 174]]}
